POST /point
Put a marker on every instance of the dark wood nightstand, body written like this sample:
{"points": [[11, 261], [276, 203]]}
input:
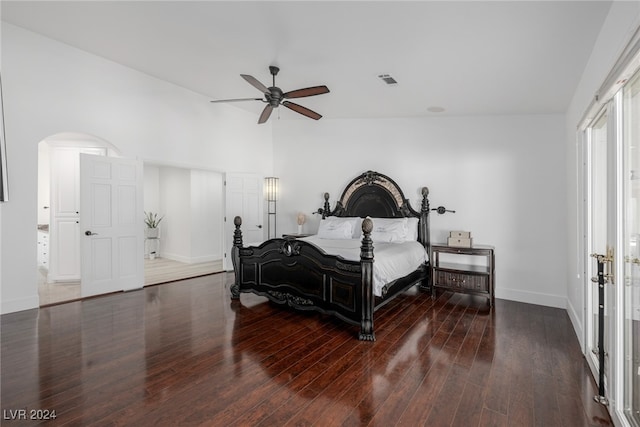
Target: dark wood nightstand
{"points": [[464, 277]]}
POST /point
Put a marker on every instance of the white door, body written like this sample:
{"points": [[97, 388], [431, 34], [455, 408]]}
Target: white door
{"points": [[244, 198], [65, 206], [111, 224]]}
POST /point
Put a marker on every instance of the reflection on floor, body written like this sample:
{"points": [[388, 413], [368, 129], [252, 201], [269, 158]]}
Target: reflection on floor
{"points": [[162, 270], [51, 293], [159, 270]]}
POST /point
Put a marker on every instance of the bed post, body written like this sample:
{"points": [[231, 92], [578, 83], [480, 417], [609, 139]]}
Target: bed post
{"points": [[326, 210], [235, 257], [366, 261], [425, 234]]}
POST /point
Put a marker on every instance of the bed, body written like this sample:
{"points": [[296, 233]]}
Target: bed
{"points": [[336, 273]]}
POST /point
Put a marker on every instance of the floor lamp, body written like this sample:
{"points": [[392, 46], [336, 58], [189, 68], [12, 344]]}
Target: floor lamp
{"points": [[271, 193]]}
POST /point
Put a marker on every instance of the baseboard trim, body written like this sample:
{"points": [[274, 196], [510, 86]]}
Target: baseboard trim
{"points": [[576, 322], [191, 260], [547, 300]]}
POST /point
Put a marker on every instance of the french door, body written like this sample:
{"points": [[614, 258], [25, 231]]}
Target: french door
{"points": [[613, 231], [601, 306], [630, 269]]}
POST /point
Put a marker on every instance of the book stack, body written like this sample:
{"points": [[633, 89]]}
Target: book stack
{"points": [[460, 239]]}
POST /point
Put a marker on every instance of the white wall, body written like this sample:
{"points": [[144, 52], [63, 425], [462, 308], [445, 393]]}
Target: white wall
{"points": [[504, 176], [206, 216], [623, 19], [49, 87], [191, 201], [44, 183], [151, 183], [175, 204]]}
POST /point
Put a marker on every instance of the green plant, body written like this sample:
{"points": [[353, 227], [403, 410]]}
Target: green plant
{"points": [[151, 219]]}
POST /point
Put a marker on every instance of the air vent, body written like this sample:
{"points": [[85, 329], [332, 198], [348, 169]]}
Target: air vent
{"points": [[387, 79]]}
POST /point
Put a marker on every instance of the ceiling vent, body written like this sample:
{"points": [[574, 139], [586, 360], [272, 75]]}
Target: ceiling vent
{"points": [[387, 79]]}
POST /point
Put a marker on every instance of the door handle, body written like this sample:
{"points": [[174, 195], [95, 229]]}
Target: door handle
{"points": [[607, 260], [632, 260], [259, 226], [90, 233]]}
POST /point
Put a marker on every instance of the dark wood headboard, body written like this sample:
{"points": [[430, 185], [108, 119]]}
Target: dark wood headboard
{"points": [[376, 195]]}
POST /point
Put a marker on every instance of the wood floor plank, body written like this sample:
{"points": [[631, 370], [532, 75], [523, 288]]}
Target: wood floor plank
{"points": [[183, 353]]}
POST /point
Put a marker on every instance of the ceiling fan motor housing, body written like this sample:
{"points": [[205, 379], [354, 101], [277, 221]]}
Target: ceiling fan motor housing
{"points": [[274, 97]]}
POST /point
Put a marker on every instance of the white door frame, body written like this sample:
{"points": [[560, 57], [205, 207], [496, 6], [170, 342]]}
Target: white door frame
{"points": [[614, 381]]}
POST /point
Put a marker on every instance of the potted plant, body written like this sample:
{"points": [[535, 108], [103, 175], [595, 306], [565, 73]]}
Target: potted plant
{"points": [[152, 221]]}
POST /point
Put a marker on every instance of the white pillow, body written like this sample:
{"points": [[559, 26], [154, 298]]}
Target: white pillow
{"points": [[357, 228], [336, 228], [412, 229], [389, 230]]}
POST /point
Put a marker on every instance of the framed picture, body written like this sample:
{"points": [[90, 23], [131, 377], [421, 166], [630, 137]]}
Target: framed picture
{"points": [[4, 194]]}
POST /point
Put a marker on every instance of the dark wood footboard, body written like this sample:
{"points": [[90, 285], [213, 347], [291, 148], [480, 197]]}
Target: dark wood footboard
{"points": [[298, 274]]}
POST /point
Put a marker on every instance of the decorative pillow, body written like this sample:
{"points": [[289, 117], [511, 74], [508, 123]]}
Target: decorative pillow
{"points": [[389, 230], [336, 228]]}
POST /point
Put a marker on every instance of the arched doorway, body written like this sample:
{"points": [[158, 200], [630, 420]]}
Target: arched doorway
{"points": [[58, 212]]}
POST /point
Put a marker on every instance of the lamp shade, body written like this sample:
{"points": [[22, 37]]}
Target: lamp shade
{"points": [[271, 188]]}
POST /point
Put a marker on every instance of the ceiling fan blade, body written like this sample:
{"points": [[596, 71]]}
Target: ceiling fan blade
{"points": [[265, 114], [255, 83], [238, 100], [302, 110], [309, 91]]}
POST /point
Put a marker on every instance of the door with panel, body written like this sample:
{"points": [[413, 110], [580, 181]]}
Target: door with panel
{"points": [[64, 263], [111, 224], [244, 198]]}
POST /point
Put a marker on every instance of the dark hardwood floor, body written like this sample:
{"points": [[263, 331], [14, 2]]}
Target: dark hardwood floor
{"points": [[183, 354]]}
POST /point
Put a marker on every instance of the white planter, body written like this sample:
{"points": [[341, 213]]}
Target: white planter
{"points": [[151, 233]]}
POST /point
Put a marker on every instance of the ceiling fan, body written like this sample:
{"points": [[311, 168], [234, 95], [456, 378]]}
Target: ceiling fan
{"points": [[274, 97]]}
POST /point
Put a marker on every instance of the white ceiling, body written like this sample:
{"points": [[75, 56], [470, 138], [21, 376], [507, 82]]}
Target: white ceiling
{"points": [[476, 57]]}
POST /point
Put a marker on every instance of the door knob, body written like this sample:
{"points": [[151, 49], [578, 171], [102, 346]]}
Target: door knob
{"points": [[259, 226], [90, 233]]}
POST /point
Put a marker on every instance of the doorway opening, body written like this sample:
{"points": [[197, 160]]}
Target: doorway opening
{"points": [[58, 242], [188, 239]]}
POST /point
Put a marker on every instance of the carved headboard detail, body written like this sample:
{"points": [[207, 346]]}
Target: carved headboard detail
{"points": [[376, 195], [373, 194]]}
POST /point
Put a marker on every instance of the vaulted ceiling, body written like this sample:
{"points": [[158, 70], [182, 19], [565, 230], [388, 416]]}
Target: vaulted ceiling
{"points": [[475, 57]]}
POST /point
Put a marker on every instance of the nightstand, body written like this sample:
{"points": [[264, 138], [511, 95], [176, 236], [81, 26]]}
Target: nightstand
{"points": [[461, 276]]}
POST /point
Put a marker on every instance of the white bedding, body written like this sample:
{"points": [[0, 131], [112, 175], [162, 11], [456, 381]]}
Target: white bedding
{"points": [[391, 260]]}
